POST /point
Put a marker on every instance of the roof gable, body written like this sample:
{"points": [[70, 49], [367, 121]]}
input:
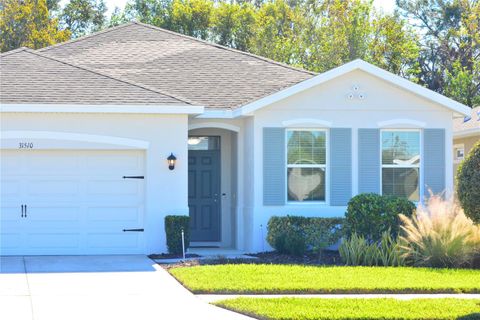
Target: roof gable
{"points": [[188, 68], [28, 77], [391, 78]]}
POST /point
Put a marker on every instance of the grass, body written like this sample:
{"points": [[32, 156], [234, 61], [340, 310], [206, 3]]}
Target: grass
{"points": [[261, 278], [343, 309]]}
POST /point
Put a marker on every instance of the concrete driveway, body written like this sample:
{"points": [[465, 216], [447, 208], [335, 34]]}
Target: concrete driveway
{"points": [[96, 287]]}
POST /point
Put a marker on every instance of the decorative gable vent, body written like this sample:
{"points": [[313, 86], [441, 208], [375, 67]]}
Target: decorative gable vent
{"points": [[356, 94]]}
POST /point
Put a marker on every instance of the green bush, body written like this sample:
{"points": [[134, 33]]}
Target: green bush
{"points": [[295, 235], [370, 215], [468, 184], [358, 251], [173, 230]]}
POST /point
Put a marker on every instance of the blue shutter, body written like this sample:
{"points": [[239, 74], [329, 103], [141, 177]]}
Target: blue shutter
{"points": [[340, 166], [274, 167], [369, 160], [434, 160]]}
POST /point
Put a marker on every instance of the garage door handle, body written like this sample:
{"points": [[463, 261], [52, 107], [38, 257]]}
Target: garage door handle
{"points": [[133, 230]]}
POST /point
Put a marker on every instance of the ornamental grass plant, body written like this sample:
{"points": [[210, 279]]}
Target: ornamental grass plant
{"points": [[439, 234]]}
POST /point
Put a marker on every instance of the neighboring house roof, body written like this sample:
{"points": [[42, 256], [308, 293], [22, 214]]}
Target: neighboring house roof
{"points": [[31, 78], [205, 73], [468, 126], [358, 64]]}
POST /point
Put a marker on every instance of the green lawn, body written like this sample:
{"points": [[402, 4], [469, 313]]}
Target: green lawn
{"points": [[252, 278], [336, 309]]}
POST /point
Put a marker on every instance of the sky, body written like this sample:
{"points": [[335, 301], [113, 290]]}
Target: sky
{"points": [[386, 5]]}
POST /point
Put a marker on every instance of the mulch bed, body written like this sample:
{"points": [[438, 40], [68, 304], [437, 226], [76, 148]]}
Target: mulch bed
{"points": [[330, 258], [172, 256]]}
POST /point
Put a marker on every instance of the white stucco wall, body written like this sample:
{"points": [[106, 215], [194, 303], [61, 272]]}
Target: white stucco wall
{"points": [[165, 190], [327, 105]]}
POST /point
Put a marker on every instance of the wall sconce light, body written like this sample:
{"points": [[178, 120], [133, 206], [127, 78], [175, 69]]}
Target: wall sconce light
{"points": [[171, 161]]}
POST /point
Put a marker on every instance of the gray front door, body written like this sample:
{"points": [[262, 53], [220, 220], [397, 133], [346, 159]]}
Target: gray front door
{"points": [[204, 194]]}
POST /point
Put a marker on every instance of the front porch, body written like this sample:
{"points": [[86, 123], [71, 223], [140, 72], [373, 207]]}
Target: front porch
{"points": [[213, 185]]}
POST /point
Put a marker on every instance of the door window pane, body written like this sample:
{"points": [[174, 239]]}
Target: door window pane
{"points": [[203, 143]]}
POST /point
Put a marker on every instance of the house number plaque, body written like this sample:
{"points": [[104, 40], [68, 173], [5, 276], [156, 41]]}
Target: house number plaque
{"points": [[25, 145]]}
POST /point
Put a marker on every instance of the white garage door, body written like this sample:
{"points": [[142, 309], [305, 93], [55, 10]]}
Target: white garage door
{"points": [[71, 202]]}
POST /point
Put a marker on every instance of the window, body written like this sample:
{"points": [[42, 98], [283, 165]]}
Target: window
{"points": [[401, 163], [458, 152], [203, 143], [306, 165]]}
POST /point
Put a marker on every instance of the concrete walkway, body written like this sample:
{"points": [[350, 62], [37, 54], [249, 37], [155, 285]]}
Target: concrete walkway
{"points": [[96, 287], [217, 297]]}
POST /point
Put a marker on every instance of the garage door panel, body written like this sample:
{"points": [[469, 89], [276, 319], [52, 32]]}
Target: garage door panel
{"points": [[123, 215], [113, 240], [10, 239], [56, 188], [53, 214], [53, 240], [114, 187], [41, 162], [129, 162], [78, 202], [9, 213]]}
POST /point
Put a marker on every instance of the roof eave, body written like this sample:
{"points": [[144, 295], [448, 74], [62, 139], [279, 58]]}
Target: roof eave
{"points": [[110, 108], [466, 133]]}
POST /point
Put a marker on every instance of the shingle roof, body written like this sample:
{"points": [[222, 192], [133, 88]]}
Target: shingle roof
{"points": [[187, 68], [460, 125], [29, 77]]}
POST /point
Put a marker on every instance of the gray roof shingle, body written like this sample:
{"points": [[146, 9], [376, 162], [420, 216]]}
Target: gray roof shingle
{"points": [[29, 77], [187, 68]]}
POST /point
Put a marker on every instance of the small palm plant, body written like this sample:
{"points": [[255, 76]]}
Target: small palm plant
{"points": [[439, 235]]}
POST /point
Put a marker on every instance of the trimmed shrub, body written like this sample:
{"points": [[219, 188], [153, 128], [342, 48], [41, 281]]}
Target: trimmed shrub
{"points": [[295, 235], [173, 230], [468, 184], [357, 251], [370, 215], [440, 235]]}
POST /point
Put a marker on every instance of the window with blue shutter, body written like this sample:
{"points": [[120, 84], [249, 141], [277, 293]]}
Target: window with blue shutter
{"points": [[274, 166], [340, 166], [369, 160]]}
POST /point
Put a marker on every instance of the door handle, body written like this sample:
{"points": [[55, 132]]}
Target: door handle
{"points": [[25, 211], [22, 211]]}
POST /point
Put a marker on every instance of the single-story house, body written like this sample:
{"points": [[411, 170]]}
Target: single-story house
{"points": [[466, 132], [105, 135]]}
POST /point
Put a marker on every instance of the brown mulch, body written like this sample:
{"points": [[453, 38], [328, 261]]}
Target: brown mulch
{"points": [[172, 256], [330, 258]]}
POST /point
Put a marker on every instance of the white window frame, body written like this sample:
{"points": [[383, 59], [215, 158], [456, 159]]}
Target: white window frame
{"points": [[456, 147], [419, 166], [325, 166]]}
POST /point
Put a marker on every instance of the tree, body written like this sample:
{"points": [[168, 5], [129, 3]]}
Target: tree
{"points": [[233, 25], [27, 23], [468, 184], [278, 32], [192, 17], [450, 46], [84, 16]]}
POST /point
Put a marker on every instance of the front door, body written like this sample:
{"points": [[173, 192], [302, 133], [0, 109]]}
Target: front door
{"points": [[204, 193]]}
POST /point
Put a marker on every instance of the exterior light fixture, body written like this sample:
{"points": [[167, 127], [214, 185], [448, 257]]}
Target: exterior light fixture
{"points": [[171, 161]]}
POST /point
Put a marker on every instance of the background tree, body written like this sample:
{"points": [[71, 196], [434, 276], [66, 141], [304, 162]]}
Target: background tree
{"points": [[450, 46], [28, 23], [84, 16]]}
